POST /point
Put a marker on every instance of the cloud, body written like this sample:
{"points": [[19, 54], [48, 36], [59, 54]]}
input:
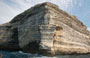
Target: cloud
{"points": [[7, 12], [10, 8], [89, 28]]}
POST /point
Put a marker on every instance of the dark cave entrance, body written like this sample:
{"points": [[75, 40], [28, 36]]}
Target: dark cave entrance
{"points": [[15, 41], [15, 33]]}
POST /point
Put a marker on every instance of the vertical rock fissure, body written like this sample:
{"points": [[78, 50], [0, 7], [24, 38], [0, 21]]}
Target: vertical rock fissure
{"points": [[15, 37]]}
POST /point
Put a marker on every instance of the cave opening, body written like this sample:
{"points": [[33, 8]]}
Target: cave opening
{"points": [[15, 40]]}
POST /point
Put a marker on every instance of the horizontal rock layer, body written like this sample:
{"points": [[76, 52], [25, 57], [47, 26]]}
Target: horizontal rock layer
{"points": [[46, 29]]}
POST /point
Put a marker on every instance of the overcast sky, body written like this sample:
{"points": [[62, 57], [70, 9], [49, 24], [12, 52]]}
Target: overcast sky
{"points": [[79, 8]]}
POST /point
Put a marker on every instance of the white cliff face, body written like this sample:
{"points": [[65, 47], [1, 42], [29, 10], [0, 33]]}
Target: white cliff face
{"points": [[35, 31]]}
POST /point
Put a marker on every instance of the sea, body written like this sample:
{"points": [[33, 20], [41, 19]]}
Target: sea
{"points": [[20, 54]]}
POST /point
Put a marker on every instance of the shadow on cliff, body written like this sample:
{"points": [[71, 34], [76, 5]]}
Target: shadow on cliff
{"points": [[32, 47], [10, 43]]}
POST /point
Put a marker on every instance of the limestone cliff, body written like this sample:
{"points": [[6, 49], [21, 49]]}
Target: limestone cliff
{"points": [[47, 29]]}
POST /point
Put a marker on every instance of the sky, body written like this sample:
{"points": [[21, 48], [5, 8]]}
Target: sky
{"points": [[80, 8]]}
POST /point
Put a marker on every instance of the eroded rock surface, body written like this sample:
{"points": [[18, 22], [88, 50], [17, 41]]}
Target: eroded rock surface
{"points": [[46, 29]]}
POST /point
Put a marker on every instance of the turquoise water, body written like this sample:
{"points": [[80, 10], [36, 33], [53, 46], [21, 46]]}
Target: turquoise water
{"points": [[20, 54]]}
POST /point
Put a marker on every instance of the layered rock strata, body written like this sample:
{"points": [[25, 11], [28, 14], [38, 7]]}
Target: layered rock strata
{"points": [[46, 29]]}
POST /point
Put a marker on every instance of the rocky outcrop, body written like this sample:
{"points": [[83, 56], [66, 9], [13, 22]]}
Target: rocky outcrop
{"points": [[8, 37], [45, 29]]}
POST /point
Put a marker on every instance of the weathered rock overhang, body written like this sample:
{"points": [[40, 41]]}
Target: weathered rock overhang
{"points": [[34, 31]]}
